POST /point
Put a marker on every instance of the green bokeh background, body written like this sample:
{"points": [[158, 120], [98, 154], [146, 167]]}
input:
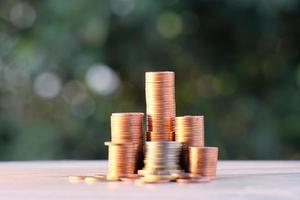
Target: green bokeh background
{"points": [[236, 62]]}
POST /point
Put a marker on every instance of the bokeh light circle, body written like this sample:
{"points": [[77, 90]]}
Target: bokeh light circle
{"points": [[47, 85], [22, 15], [102, 79]]}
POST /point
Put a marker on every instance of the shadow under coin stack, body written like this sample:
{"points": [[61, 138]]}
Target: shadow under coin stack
{"points": [[126, 147], [189, 130]]}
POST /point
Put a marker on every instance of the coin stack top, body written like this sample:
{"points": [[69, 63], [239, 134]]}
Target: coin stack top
{"points": [[160, 105]]}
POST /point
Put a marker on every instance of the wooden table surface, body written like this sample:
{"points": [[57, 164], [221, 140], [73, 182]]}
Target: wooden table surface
{"points": [[237, 180]]}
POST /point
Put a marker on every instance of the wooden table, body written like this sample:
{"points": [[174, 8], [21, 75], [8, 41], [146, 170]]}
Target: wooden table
{"points": [[237, 180]]}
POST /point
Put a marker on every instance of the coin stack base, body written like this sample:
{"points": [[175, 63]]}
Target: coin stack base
{"points": [[162, 159]]}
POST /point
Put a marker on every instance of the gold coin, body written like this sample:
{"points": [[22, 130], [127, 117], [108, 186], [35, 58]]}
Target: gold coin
{"points": [[76, 179], [93, 179], [156, 179], [186, 180], [129, 179], [112, 178]]}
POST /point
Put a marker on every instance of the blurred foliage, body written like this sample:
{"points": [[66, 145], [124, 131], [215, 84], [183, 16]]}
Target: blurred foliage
{"points": [[66, 65]]}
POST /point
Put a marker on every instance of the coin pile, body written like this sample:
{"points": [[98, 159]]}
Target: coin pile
{"points": [[167, 144], [121, 160], [190, 131], [203, 161], [162, 158], [128, 128], [160, 102]]}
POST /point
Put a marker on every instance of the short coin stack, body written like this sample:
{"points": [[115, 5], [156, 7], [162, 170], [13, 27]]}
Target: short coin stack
{"points": [[129, 128], [126, 146], [189, 130], [162, 159], [160, 102], [203, 161], [121, 160]]}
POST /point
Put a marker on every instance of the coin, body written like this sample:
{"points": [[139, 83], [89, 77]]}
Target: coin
{"points": [[158, 172], [112, 178], [76, 179], [176, 175], [156, 179], [93, 179], [186, 180], [129, 179]]}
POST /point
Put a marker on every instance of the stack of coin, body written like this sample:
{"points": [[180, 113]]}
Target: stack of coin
{"points": [[160, 101], [203, 161], [162, 158], [190, 131], [121, 160], [127, 128], [170, 141]]}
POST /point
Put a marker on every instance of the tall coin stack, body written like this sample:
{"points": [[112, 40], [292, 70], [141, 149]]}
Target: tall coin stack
{"points": [[162, 152], [189, 130], [160, 102], [127, 139], [203, 161]]}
